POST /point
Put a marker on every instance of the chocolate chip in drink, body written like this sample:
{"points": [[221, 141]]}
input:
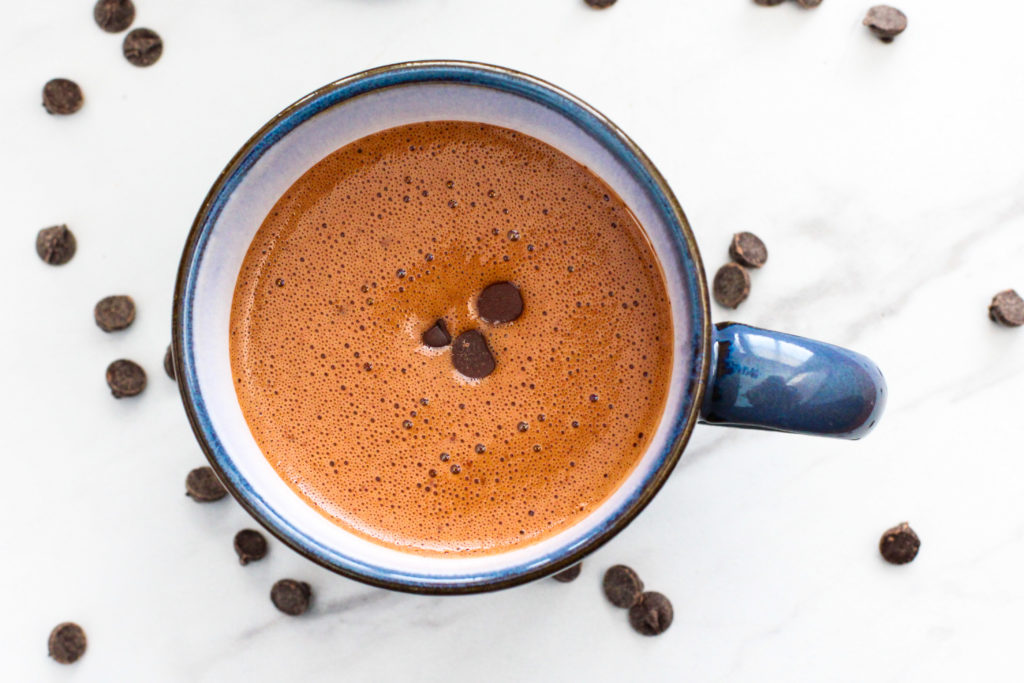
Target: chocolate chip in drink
{"points": [[471, 356], [125, 378], [250, 545], [114, 312], [62, 96], [67, 642], [808, 4], [622, 586], [748, 250], [731, 286], [142, 47], [291, 596], [600, 4], [56, 245], [203, 486], [886, 22], [899, 544], [652, 615], [114, 16], [570, 574], [437, 336], [169, 362], [1007, 308], [500, 302]]}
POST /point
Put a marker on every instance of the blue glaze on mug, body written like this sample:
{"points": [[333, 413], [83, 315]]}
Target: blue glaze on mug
{"points": [[770, 380]]}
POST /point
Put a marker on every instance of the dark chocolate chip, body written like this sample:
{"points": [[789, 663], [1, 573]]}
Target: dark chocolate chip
{"points": [[114, 16], [114, 312], [250, 545], [899, 544], [1007, 308], [56, 245], [652, 615], [885, 22], [471, 355], [748, 250], [291, 596], [808, 4], [142, 47], [500, 302], [169, 362], [570, 574], [437, 336], [67, 642], [203, 486], [769, 3], [622, 586], [732, 285], [600, 4], [62, 96], [125, 378]]}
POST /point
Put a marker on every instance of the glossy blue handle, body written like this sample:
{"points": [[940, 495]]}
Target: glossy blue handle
{"points": [[769, 380]]}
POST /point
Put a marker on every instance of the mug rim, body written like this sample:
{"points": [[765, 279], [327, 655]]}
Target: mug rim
{"points": [[518, 83]]}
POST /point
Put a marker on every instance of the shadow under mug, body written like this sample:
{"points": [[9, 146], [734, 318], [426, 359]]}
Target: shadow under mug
{"points": [[731, 375]]}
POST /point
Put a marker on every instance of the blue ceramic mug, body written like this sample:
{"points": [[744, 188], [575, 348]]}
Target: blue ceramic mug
{"points": [[730, 375]]}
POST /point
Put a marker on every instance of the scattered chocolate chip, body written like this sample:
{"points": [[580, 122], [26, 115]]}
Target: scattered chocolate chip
{"points": [[652, 615], [203, 486], [114, 312], [808, 4], [291, 596], [142, 47], [600, 4], [570, 574], [769, 3], [125, 378], [169, 362], [748, 250], [1007, 308], [114, 16], [471, 355], [732, 285], [622, 586], [56, 245], [886, 22], [899, 544], [62, 96], [250, 545], [437, 336], [67, 642], [500, 302]]}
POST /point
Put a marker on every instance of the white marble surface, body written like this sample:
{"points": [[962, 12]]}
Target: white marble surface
{"points": [[886, 179]]}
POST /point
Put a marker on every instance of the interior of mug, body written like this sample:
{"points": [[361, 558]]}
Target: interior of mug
{"points": [[274, 160]]}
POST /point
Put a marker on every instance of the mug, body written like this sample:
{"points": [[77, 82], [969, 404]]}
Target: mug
{"points": [[731, 374]]}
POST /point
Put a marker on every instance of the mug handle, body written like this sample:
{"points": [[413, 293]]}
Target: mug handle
{"points": [[769, 380]]}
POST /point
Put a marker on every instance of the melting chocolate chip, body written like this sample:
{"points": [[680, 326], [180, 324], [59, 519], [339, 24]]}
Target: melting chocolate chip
{"points": [[570, 574], [652, 615], [250, 545], [114, 312], [471, 356], [899, 544], [500, 302], [56, 245], [1007, 308], [203, 486], [169, 362], [67, 642], [437, 336], [125, 378], [748, 250], [291, 596], [143, 47], [622, 586], [885, 22], [114, 16], [731, 285], [62, 96]]}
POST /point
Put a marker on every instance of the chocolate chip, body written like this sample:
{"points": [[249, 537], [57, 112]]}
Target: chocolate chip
{"points": [[471, 355], [899, 544], [570, 574], [622, 586], [1007, 308], [142, 47], [125, 378], [114, 312], [67, 642], [652, 615], [114, 16], [291, 596], [250, 545], [769, 3], [808, 4], [437, 336], [62, 96], [732, 285], [885, 22], [203, 486], [56, 245], [169, 362], [600, 4], [748, 250], [500, 302]]}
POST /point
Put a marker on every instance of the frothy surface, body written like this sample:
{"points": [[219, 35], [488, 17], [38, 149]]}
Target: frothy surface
{"points": [[378, 431]]}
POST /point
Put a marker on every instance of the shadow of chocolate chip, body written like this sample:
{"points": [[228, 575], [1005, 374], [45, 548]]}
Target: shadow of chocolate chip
{"points": [[62, 96], [899, 544], [622, 586], [437, 336], [291, 597], [203, 486], [169, 362], [125, 378], [142, 47], [114, 313], [67, 642], [570, 574], [56, 245], [250, 546], [500, 302], [652, 615], [471, 356], [114, 16]]}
